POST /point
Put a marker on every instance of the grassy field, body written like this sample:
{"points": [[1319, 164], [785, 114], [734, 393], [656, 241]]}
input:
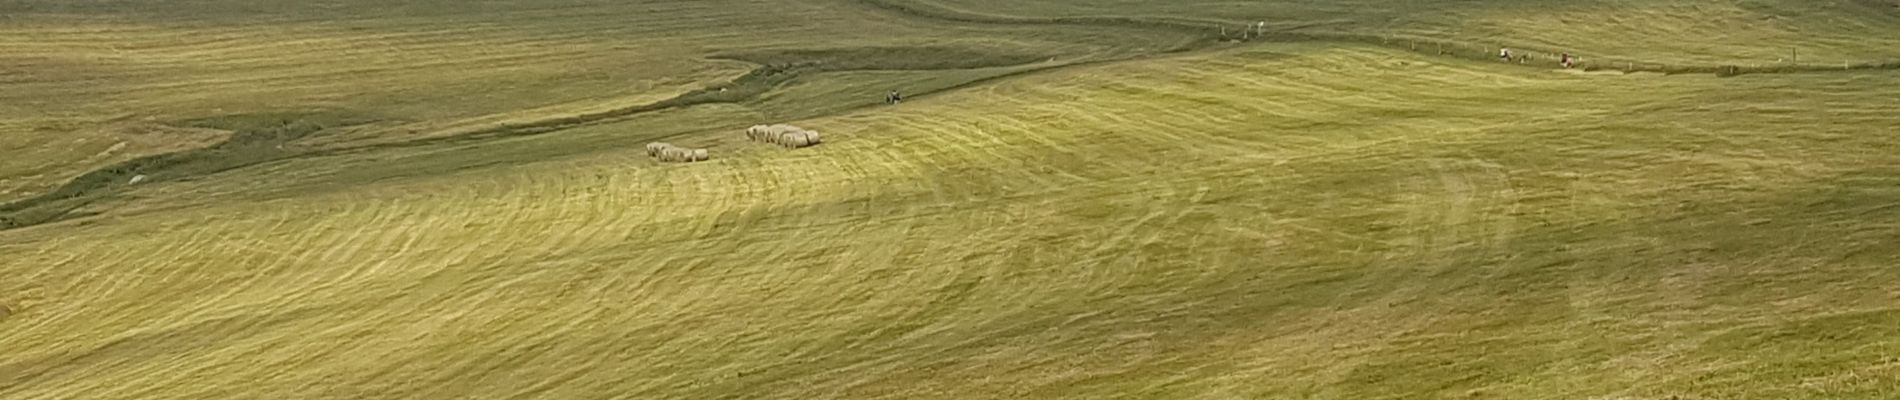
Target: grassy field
{"points": [[1740, 32], [1065, 210], [97, 83]]}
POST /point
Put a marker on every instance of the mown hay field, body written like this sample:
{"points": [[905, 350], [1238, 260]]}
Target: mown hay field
{"points": [[1270, 220], [1740, 32], [90, 84]]}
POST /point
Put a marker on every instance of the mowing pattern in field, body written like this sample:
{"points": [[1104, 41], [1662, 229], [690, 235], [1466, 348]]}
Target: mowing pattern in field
{"points": [[1274, 222], [92, 83], [1737, 32]]}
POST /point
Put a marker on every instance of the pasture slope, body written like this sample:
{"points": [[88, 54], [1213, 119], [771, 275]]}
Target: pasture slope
{"points": [[96, 86], [1097, 213]]}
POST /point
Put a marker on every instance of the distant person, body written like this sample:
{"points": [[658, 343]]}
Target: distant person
{"points": [[1566, 60]]}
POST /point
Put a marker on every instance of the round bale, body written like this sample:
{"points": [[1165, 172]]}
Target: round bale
{"points": [[797, 140], [701, 155], [812, 138]]}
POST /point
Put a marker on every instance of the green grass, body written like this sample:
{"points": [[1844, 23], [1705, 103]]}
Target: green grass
{"points": [[406, 72], [1739, 32], [1315, 219], [88, 83]]}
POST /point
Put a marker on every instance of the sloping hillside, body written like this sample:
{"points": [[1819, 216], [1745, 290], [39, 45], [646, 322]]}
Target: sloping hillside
{"points": [[1144, 213]]}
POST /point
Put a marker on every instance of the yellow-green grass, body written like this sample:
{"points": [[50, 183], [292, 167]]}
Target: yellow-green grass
{"points": [[1282, 221], [1656, 32], [92, 84]]}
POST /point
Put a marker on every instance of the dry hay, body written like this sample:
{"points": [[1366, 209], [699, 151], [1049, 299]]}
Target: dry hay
{"points": [[783, 135], [757, 132], [781, 129], [669, 153], [795, 140]]}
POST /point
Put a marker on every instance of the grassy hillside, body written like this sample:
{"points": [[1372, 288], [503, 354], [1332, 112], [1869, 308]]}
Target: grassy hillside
{"points": [[92, 84], [1742, 32], [1266, 220]]}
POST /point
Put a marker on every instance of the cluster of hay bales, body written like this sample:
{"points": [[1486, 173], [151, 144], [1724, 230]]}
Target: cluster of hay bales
{"points": [[783, 135], [670, 153]]}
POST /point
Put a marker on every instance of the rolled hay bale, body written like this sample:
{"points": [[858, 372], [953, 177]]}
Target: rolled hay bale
{"points": [[797, 140], [761, 132], [701, 155], [653, 149], [783, 128], [659, 152], [783, 135]]}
